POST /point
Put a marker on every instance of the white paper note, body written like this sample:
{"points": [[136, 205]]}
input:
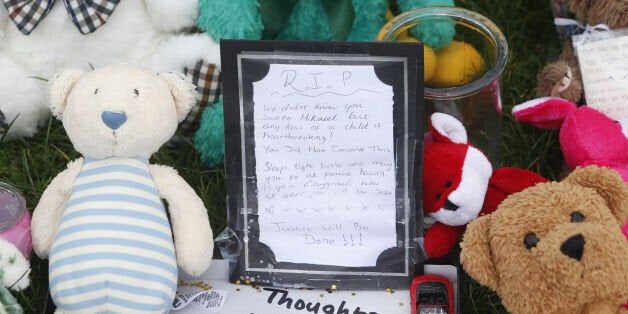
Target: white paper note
{"points": [[200, 299], [246, 299], [604, 66], [325, 164]]}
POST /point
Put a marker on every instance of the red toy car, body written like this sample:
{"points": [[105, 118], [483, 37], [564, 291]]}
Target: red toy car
{"points": [[432, 294]]}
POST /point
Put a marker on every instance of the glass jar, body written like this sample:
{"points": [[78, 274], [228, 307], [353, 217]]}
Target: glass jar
{"points": [[15, 219], [476, 101]]}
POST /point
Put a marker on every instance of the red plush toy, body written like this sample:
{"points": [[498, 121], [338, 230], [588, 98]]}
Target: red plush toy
{"points": [[587, 136], [459, 183]]}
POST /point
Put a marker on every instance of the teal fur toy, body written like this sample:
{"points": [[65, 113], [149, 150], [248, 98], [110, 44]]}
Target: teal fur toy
{"points": [[342, 20], [209, 138], [337, 20]]}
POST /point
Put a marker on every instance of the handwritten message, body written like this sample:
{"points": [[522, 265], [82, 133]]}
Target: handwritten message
{"points": [[604, 67], [325, 164], [243, 298]]}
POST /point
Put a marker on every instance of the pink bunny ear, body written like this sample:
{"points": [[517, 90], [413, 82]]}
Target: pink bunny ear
{"points": [[545, 112], [446, 128]]}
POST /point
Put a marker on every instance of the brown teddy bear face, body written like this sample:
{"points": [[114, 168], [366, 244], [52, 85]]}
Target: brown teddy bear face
{"points": [[555, 247], [567, 252], [613, 13]]}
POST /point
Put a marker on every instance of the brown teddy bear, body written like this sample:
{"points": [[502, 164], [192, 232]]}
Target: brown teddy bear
{"points": [[562, 78], [555, 247]]}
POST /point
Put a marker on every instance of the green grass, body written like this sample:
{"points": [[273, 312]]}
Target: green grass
{"points": [[30, 164]]}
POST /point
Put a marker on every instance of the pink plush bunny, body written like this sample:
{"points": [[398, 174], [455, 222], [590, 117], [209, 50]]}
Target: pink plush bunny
{"points": [[587, 136]]}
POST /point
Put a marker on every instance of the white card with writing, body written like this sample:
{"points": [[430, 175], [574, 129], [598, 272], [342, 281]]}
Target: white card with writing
{"points": [[248, 298], [325, 164], [604, 67], [320, 162]]}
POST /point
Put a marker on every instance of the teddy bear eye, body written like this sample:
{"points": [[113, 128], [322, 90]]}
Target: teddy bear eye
{"points": [[530, 240], [96, 91], [448, 184], [577, 217], [438, 196], [136, 92]]}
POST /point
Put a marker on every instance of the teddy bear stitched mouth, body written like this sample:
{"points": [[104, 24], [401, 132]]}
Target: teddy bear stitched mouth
{"points": [[114, 120]]}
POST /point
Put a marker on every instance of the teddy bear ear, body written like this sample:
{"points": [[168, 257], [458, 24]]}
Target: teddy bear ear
{"points": [[182, 90], [446, 128], [475, 254], [608, 184], [60, 87]]}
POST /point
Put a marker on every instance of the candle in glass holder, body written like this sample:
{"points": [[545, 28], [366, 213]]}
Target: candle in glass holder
{"points": [[15, 219], [467, 75]]}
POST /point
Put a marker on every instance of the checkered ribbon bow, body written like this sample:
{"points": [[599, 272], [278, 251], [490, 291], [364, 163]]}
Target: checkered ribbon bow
{"points": [[87, 15]]}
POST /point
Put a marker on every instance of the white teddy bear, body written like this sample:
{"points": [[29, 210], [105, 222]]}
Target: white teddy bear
{"points": [[41, 37], [101, 221]]}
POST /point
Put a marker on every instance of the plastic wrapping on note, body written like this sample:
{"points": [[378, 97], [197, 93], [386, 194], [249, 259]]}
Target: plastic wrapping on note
{"points": [[323, 163]]}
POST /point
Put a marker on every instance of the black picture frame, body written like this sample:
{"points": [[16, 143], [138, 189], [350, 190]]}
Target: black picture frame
{"points": [[399, 65]]}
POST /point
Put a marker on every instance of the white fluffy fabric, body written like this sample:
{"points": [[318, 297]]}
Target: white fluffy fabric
{"points": [[624, 126], [22, 99], [531, 103], [143, 32], [449, 127], [171, 16], [469, 195], [16, 267]]}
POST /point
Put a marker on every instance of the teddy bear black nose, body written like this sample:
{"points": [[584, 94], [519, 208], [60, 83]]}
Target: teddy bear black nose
{"points": [[449, 205], [113, 119], [573, 247]]}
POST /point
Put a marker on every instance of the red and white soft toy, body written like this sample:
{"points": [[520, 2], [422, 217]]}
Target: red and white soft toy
{"points": [[586, 136], [459, 183]]}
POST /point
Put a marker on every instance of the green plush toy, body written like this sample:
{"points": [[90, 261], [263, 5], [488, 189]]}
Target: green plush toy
{"points": [[345, 20], [338, 20]]}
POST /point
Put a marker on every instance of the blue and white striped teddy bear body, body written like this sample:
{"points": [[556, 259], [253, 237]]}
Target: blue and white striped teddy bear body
{"points": [[113, 251]]}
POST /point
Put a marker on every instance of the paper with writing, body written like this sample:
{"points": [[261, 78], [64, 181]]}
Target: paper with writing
{"points": [[247, 299], [202, 300], [325, 164], [604, 67]]}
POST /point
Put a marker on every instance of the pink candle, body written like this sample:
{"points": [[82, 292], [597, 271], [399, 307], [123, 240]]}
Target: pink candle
{"points": [[15, 219]]}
